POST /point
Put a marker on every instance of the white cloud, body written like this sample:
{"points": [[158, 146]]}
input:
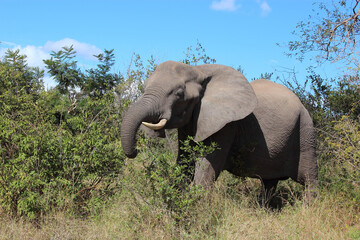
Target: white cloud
{"points": [[84, 50], [36, 54], [49, 82], [225, 5], [265, 8], [232, 5], [8, 43]]}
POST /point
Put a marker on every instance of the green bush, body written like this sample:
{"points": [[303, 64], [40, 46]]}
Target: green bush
{"points": [[340, 159], [170, 181], [335, 107], [63, 159], [56, 154]]}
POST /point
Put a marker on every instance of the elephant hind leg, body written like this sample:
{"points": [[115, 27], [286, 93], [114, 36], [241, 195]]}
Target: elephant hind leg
{"points": [[308, 168], [267, 191], [308, 174]]}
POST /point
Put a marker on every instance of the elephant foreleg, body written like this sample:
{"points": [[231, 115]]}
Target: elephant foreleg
{"points": [[267, 191], [205, 173], [208, 168]]}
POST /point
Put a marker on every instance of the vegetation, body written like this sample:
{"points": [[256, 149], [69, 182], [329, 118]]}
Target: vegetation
{"points": [[333, 36], [63, 173], [56, 154]]}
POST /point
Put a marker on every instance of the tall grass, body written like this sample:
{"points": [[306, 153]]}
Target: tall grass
{"points": [[229, 211]]}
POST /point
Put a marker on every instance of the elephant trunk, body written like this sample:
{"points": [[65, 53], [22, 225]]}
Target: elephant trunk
{"points": [[142, 110]]}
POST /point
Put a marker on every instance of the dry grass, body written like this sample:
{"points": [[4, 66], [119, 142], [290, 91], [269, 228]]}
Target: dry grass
{"points": [[219, 215], [321, 220]]}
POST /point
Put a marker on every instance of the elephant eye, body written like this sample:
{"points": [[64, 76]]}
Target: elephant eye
{"points": [[180, 93]]}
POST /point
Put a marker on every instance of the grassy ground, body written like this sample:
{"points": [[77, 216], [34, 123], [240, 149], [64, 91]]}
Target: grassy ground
{"points": [[230, 211]]}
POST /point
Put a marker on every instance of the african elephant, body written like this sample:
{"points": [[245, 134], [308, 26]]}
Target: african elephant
{"points": [[261, 128]]}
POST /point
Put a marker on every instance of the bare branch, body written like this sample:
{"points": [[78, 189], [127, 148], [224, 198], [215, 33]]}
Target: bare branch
{"points": [[333, 35]]}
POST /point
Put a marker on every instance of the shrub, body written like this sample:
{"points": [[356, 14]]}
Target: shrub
{"points": [[170, 180], [335, 108], [57, 155], [340, 158]]}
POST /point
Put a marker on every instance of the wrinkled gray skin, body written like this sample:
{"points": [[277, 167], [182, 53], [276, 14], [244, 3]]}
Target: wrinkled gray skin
{"points": [[262, 128]]}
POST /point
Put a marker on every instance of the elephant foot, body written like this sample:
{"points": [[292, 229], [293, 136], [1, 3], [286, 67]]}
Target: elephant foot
{"points": [[311, 192], [267, 192]]}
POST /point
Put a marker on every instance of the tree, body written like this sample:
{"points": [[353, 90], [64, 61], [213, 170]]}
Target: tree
{"points": [[263, 76], [132, 84], [63, 68], [331, 31], [95, 82], [56, 154], [99, 80], [17, 76], [193, 57]]}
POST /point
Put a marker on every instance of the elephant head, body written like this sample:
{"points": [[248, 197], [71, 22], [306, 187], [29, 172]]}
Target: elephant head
{"points": [[204, 98]]}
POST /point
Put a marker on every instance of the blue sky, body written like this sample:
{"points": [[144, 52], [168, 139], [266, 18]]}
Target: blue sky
{"points": [[234, 32]]}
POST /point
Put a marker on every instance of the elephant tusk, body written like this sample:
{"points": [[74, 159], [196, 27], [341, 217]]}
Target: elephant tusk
{"points": [[157, 126]]}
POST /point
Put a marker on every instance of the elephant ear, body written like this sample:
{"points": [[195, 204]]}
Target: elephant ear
{"points": [[228, 97]]}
